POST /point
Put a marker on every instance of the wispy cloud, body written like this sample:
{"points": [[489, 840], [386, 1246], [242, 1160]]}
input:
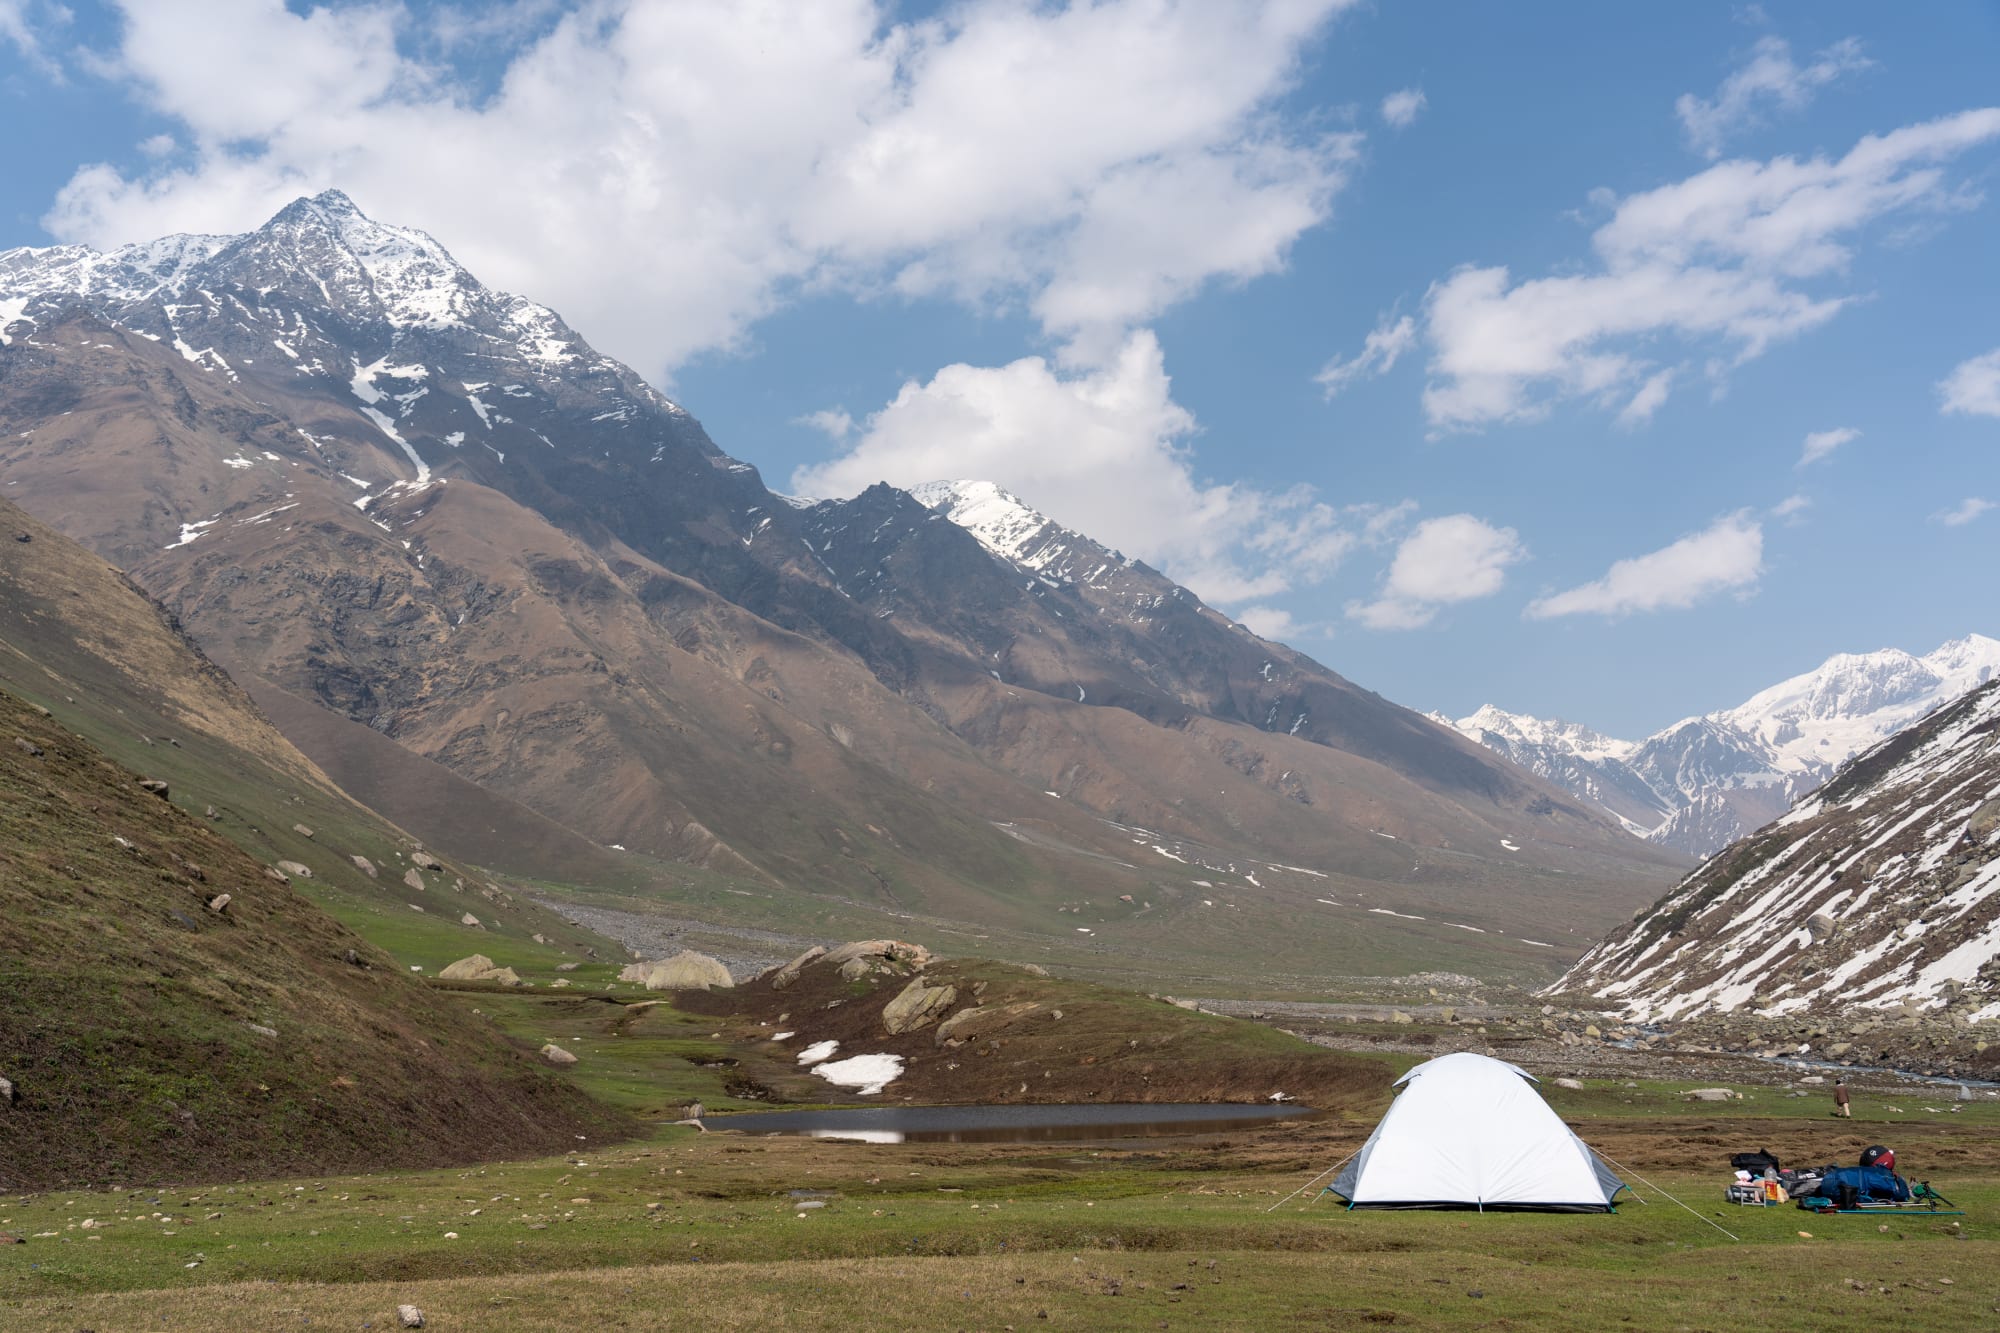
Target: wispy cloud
{"points": [[1401, 108], [1964, 512], [1456, 558], [1727, 555], [834, 422], [1822, 443], [22, 26], [1378, 356], [1769, 78], [1652, 395], [1973, 387]]}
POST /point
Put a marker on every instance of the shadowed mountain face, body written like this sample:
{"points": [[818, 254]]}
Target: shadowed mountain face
{"points": [[379, 490]]}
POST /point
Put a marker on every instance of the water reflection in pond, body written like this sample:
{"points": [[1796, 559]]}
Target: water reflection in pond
{"points": [[1006, 1124]]}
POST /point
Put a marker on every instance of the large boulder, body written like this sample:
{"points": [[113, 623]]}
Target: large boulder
{"points": [[470, 968], [688, 970], [479, 967], [424, 861], [916, 1007]]}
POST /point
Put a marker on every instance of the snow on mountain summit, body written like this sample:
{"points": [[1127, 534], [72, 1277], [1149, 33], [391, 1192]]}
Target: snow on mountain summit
{"points": [[1707, 780], [1007, 526], [306, 284]]}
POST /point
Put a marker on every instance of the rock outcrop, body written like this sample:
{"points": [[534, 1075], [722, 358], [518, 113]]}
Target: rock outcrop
{"points": [[877, 957], [916, 1007], [983, 1021], [688, 970], [478, 967]]}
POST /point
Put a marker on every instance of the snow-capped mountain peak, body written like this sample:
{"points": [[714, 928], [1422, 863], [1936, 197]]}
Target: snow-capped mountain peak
{"points": [[1573, 737], [58, 274], [1010, 528], [1712, 778], [327, 248]]}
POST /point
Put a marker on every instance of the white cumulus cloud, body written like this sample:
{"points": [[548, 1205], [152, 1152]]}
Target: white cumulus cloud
{"points": [[1973, 387], [1821, 443], [668, 174], [1728, 260], [1728, 554], [1456, 558], [1769, 77], [1104, 450], [1402, 107]]}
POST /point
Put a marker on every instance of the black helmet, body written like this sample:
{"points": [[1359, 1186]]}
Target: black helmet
{"points": [[1879, 1156]]}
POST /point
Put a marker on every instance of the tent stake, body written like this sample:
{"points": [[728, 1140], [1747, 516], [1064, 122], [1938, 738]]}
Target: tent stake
{"points": [[1651, 1186], [1314, 1181]]}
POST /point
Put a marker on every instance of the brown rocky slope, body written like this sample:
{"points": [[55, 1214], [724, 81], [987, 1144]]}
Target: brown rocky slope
{"points": [[175, 1013]]}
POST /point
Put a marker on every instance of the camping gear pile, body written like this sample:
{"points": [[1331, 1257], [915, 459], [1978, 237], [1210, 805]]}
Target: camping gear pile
{"points": [[1870, 1186], [1762, 1181]]}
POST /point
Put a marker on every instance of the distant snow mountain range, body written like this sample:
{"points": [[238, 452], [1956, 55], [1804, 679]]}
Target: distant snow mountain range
{"points": [[1705, 781]]}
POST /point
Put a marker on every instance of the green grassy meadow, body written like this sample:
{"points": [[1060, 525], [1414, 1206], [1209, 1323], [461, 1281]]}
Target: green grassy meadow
{"points": [[707, 1230], [721, 1230]]}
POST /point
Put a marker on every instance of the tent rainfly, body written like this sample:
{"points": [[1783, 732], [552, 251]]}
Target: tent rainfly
{"points": [[1468, 1131]]}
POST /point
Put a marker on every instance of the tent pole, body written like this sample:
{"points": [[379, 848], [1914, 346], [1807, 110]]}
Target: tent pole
{"points": [[1310, 1183], [1651, 1186]]}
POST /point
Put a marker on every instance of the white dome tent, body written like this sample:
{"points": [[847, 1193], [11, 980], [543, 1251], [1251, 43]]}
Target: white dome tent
{"points": [[1468, 1131]]}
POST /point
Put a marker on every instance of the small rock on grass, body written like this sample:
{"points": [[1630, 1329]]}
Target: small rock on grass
{"points": [[410, 1316]]}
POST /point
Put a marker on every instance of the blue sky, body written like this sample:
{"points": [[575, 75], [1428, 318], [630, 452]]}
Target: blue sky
{"points": [[1474, 349]]}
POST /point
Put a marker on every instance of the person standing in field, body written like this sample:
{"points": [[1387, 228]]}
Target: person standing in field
{"points": [[1840, 1107]]}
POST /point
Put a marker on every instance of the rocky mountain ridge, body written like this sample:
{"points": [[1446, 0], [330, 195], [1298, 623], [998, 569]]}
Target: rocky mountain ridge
{"points": [[1880, 892], [1705, 781], [401, 501]]}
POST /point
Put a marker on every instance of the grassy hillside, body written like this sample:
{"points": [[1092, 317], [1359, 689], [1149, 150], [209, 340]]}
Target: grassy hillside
{"points": [[149, 1035], [77, 638]]}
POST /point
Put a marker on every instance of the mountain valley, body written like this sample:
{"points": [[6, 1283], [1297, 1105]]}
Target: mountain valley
{"points": [[400, 507]]}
